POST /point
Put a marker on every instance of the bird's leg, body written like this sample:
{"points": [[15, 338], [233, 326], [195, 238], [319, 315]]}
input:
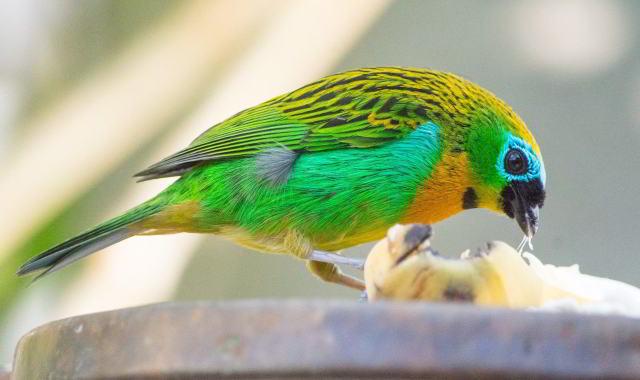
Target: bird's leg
{"points": [[334, 258], [331, 273], [323, 264]]}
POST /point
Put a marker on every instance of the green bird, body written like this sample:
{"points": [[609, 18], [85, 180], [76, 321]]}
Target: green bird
{"points": [[335, 164]]}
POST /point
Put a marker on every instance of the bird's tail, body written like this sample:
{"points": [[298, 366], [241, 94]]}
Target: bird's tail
{"points": [[102, 236]]}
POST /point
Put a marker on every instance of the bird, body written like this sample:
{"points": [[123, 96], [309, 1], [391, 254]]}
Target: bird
{"points": [[335, 164]]}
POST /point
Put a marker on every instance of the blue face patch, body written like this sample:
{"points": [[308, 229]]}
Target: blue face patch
{"points": [[543, 173], [535, 167]]}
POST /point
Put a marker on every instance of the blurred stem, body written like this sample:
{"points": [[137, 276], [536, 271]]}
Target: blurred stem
{"points": [[99, 123]]}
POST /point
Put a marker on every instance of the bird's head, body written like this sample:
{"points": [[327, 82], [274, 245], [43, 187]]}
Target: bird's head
{"points": [[507, 167], [490, 158]]}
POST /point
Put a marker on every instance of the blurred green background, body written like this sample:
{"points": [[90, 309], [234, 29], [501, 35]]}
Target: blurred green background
{"points": [[93, 91]]}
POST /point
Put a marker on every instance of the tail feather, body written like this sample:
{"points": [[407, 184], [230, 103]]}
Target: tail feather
{"points": [[100, 237]]}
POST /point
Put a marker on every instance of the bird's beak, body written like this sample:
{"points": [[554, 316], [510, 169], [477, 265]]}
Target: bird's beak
{"points": [[527, 217], [522, 201]]}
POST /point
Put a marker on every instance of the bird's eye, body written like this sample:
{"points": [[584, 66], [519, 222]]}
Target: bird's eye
{"points": [[515, 162]]}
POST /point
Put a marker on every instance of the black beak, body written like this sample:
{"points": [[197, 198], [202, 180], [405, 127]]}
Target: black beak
{"points": [[528, 218], [522, 201]]}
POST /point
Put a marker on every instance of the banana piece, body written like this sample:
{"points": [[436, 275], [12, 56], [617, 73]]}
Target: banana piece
{"points": [[404, 267]]}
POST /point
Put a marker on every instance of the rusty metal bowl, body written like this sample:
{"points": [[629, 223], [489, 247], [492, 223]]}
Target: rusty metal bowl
{"points": [[324, 340]]}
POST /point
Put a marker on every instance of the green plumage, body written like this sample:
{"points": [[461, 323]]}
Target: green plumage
{"points": [[327, 166], [328, 194], [357, 109]]}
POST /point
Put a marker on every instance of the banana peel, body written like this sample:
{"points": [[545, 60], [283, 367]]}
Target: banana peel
{"points": [[405, 267]]}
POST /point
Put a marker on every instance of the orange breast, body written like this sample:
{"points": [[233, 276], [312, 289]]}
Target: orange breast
{"points": [[441, 195]]}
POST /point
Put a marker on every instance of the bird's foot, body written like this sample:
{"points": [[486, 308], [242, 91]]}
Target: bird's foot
{"points": [[331, 273]]}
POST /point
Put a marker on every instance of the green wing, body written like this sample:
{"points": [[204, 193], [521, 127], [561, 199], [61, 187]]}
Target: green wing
{"points": [[357, 109]]}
